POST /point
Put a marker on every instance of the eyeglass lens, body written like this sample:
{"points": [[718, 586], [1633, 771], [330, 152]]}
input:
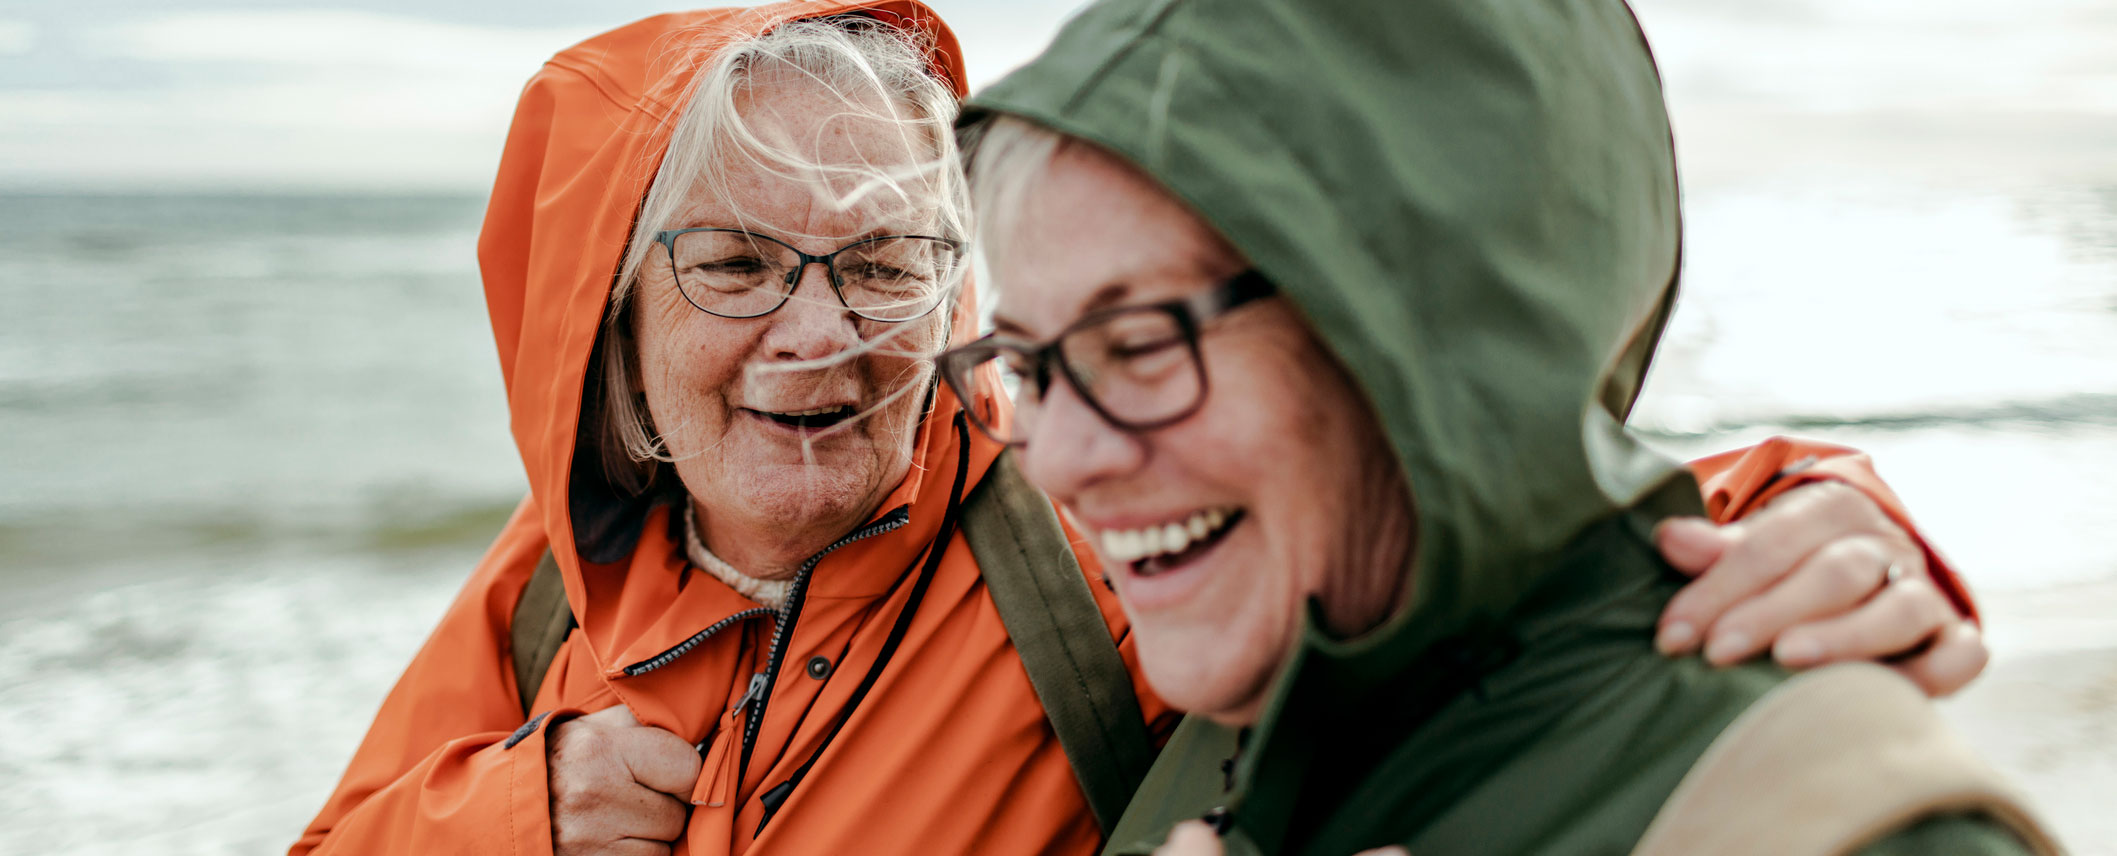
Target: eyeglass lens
{"points": [[740, 275], [1138, 368]]}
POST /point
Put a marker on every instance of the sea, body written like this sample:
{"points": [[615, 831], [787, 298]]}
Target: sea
{"points": [[251, 444]]}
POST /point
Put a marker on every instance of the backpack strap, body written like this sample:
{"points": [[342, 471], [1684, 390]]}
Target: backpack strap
{"points": [[1829, 762], [1059, 632], [541, 623]]}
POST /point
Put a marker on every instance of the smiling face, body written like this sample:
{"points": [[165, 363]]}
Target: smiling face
{"points": [[1215, 530], [789, 429]]}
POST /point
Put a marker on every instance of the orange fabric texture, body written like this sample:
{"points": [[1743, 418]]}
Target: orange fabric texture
{"points": [[950, 751], [1739, 482]]}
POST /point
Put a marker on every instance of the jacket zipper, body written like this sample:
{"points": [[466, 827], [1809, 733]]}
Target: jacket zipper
{"points": [[890, 521], [666, 657], [783, 624]]}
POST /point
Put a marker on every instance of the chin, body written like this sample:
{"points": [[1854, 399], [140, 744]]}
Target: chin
{"points": [[1203, 674], [793, 493]]}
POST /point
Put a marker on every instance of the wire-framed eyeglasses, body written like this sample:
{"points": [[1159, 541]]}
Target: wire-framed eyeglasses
{"points": [[737, 274], [1138, 367]]}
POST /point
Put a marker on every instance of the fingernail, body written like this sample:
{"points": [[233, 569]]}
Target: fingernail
{"points": [[1683, 529], [1727, 648], [1693, 524], [1676, 637], [1797, 652]]}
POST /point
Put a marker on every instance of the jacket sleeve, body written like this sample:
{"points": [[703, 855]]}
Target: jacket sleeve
{"points": [[1739, 482], [448, 765]]}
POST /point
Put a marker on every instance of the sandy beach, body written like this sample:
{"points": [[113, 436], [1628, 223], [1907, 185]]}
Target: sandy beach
{"points": [[2045, 711]]}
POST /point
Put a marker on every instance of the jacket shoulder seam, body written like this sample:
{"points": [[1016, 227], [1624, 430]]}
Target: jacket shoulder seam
{"points": [[586, 74]]}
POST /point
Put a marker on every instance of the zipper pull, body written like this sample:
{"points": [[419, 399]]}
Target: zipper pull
{"points": [[751, 695]]}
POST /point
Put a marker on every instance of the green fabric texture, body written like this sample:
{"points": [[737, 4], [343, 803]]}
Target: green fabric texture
{"points": [[1475, 205], [1058, 630]]}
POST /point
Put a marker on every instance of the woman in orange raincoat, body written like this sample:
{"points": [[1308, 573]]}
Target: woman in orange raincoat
{"points": [[719, 250]]}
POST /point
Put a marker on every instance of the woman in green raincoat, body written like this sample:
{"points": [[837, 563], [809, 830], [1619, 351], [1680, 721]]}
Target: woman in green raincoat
{"points": [[1325, 319]]}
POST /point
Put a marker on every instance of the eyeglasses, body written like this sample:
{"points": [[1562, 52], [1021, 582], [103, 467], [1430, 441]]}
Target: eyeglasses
{"points": [[736, 274], [1138, 367]]}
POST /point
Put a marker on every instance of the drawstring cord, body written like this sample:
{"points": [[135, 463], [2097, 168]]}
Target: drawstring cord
{"points": [[777, 796]]}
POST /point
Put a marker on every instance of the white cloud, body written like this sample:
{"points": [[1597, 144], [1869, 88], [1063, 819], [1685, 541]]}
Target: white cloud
{"points": [[339, 39], [332, 98], [341, 134], [325, 98], [1942, 57], [16, 37]]}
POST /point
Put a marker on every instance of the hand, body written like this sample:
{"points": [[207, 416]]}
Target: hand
{"points": [[1192, 838], [1808, 576], [618, 787]]}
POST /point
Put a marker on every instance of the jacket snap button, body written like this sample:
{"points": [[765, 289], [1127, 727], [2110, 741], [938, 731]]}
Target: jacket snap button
{"points": [[819, 667]]}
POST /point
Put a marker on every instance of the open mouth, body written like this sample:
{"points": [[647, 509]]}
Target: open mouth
{"points": [[805, 421], [1161, 548]]}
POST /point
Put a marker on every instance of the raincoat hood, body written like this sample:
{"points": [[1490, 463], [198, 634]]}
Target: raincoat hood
{"points": [[587, 138], [1475, 206], [1495, 282]]}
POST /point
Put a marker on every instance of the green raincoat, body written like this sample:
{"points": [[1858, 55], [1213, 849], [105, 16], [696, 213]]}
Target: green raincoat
{"points": [[1475, 204]]}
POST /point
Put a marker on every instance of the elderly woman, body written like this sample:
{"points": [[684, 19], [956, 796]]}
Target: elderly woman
{"points": [[1323, 320], [720, 251], [720, 254]]}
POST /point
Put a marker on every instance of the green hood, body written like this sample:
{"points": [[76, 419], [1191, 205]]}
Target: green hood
{"points": [[1475, 205]]}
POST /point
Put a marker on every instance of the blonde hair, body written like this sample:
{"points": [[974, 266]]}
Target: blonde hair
{"points": [[877, 73], [1006, 155]]}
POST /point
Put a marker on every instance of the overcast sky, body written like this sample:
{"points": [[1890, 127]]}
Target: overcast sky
{"points": [[402, 94]]}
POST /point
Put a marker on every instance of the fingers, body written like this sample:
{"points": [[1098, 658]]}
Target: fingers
{"points": [[658, 759], [657, 816], [1392, 850], [1762, 549], [1190, 838], [1833, 580], [618, 786], [614, 717], [1690, 544], [1899, 618], [634, 847], [626, 818], [1958, 655]]}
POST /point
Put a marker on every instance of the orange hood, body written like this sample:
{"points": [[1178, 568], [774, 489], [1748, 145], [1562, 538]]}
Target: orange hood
{"points": [[587, 138]]}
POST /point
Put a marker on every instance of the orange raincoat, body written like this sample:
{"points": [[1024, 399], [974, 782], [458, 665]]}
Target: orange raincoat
{"points": [[950, 751], [972, 764]]}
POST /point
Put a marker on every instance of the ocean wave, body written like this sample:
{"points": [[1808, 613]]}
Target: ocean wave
{"points": [[51, 542], [2083, 409]]}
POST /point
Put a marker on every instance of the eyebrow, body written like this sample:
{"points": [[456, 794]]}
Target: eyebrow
{"points": [[1109, 295]]}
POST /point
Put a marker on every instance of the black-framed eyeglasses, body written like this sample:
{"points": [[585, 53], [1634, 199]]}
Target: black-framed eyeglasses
{"points": [[1138, 367], [736, 274]]}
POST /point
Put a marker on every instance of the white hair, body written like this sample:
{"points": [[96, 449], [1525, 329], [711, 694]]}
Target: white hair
{"points": [[878, 73], [1007, 155]]}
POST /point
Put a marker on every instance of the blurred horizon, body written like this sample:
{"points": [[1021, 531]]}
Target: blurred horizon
{"points": [[256, 435]]}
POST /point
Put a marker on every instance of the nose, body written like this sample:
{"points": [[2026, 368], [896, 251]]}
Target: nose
{"points": [[813, 324], [1071, 448]]}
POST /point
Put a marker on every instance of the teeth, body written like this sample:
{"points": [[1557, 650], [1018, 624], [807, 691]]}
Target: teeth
{"points": [[1131, 545], [817, 412]]}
